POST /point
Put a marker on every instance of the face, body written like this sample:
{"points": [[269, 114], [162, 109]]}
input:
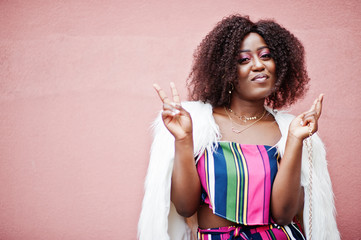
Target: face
{"points": [[256, 69]]}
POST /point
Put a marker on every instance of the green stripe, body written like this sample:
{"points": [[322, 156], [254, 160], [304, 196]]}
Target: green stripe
{"points": [[272, 235], [243, 194], [231, 181], [239, 192]]}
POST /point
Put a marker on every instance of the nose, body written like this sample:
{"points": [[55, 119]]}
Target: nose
{"points": [[257, 64]]}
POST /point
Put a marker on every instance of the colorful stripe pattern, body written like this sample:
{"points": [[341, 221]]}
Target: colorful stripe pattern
{"points": [[237, 181], [266, 232]]}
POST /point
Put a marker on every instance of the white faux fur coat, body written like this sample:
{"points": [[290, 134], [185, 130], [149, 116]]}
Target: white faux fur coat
{"points": [[159, 219]]}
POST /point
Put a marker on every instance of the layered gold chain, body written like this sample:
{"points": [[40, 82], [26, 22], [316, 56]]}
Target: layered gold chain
{"points": [[237, 131], [244, 118]]}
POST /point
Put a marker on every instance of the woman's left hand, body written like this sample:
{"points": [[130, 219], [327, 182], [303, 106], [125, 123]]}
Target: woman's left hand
{"points": [[301, 126]]}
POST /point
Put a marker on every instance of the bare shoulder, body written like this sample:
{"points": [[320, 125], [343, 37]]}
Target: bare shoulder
{"points": [[270, 129], [218, 111], [220, 116]]}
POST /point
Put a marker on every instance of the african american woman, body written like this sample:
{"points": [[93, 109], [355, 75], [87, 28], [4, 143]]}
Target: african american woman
{"points": [[228, 165]]}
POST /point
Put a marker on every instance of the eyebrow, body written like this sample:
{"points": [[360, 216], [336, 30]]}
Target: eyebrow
{"points": [[257, 49]]}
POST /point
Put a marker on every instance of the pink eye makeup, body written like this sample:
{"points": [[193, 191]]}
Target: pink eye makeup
{"points": [[265, 53], [246, 56]]}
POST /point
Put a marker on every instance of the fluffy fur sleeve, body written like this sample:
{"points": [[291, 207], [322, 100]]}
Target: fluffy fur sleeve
{"points": [[153, 222], [323, 207]]}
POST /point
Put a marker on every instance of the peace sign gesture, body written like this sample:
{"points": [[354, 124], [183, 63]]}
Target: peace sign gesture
{"points": [[307, 122], [177, 120]]}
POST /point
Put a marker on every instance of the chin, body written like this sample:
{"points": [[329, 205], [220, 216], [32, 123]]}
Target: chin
{"points": [[260, 95]]}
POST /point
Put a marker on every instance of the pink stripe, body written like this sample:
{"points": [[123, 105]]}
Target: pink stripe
{"points": [[256, 187], [225, 236], [279, 234], [202, 175], [202, 172], [265, 235], [268, 183]]}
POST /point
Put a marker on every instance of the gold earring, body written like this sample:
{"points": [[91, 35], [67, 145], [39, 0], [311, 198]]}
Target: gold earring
{"points": [[230, 93], [231, 88]]}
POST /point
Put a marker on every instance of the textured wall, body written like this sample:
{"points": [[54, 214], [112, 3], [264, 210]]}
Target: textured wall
{"points": [[76, 103]]}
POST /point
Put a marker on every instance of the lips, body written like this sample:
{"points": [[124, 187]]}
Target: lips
{"points": [[261, 77]]}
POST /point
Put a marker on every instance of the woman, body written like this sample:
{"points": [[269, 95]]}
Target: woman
{"points": [[230, 157]]}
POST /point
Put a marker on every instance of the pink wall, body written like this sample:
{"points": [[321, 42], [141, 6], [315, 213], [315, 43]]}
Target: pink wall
{"points": [[76, 103]]}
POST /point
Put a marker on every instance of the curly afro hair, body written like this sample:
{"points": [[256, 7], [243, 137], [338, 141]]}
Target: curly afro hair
{"points": [[215, 62]]}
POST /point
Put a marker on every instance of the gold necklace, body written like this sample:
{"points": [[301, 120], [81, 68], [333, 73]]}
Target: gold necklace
{"points": [[242, 117], [237, 131]]}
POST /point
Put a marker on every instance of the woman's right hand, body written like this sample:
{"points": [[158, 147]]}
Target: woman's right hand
{"points": [[176, 119]]}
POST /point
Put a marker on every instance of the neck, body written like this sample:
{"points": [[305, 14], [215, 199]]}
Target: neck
{"points": [[247, 108]]}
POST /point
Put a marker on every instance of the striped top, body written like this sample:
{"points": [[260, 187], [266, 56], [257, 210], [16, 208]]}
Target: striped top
{"points": [[237, 181]]}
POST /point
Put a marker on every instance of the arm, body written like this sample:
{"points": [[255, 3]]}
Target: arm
{"points": [[185, 186], [287, 193]]}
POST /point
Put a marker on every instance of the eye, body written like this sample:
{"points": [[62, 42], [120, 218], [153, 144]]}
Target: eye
{"points": [[266, 56], [243, 60]]}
